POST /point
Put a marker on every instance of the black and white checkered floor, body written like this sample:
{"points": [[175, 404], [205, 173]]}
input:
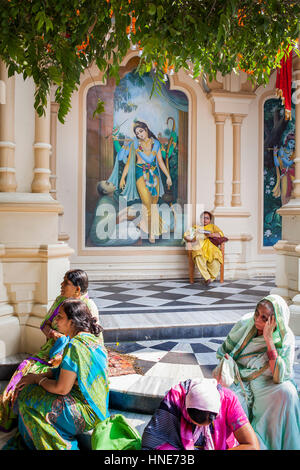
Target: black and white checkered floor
{"points": [[151, 309], [165, 363], [155, 309], [146, 296], [157, 303]]}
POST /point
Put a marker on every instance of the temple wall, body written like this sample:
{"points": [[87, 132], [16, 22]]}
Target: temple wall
{"points": [[42, 223], [244, 255]]}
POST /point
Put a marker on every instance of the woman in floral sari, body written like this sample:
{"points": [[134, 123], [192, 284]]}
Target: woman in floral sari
{"points": [[59, 404], [262, 346], [74, 285]]}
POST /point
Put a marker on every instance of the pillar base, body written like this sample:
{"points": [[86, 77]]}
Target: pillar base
{"points": [[288, 261], [32, 265], [294, 323]]}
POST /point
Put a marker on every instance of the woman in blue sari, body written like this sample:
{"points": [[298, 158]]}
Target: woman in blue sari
{"points": [[75, 286], [56, 406], [141, 177]]}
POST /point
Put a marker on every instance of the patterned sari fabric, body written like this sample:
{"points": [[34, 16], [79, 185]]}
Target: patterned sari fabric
{"points": [[170, 428], [271, 401], [37, 364], [51, 422]]}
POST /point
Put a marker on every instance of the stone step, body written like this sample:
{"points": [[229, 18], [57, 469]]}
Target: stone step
{"points": [[9, 364], [163, 328]]}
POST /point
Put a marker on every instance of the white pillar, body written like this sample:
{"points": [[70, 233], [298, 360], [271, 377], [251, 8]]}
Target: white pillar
{"points": [[42, 147], [7, 131]]}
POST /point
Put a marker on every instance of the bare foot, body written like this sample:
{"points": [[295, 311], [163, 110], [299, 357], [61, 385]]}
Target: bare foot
{"points": [[209, 281]]}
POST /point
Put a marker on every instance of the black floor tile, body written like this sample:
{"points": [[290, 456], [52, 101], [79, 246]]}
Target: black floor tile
{"points": [[166, 346], [180, 358], [144, 366], [201, 348], [126, 348], [207, 370]]}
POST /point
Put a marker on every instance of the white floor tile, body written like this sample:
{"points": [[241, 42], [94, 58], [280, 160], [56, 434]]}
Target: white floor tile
{"points": [[182, 347], [102, 303], [193, 299], [245, 298], [226, 290], [152, 302], [172, 284], [152, 355], [177, 372], [139, 292], [132, 285], [184, 291], [98, 294], [206, 358]]}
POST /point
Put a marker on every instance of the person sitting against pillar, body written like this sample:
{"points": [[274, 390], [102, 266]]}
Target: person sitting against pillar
{"points": [[199, 414], [56, 406], [204, 238], [73, 286], [261, 349]]}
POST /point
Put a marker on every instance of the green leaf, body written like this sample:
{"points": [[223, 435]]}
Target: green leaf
{"points": [[100, 108], [160, 12], [152, 9]]}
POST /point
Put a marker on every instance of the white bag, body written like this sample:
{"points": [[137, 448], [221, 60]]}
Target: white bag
{"points": [[225, 372]]}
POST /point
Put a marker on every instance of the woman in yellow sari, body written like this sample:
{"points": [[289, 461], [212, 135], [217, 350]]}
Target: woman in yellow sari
{"points": [[206, 256]]}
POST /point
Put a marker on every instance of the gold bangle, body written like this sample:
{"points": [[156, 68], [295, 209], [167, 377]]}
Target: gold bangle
{"points": [[42, 380]]}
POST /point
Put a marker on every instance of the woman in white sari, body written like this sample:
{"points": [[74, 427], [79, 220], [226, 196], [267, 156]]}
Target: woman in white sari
{"points": [[262, 346]]}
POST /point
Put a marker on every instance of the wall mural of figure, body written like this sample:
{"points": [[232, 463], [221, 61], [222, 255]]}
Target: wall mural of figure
{"points": [[148, 173], [279, 171], [141, 177], [285, 169], [111, 226]]}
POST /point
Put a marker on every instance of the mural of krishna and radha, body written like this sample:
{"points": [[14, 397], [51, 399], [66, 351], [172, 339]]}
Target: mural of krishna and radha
{"points": [[279, 168], [136, 164]]}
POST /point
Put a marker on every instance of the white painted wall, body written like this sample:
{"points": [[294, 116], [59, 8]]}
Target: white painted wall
{"points": [[166, 265], [244, 258]]}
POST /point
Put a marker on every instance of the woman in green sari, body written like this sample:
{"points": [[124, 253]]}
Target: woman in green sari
{"points": [[74, 285], [262, 347], [55, 406]]}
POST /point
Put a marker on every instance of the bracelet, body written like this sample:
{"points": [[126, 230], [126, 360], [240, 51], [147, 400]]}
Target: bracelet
{"points": [[272, 355], [44, 378]]}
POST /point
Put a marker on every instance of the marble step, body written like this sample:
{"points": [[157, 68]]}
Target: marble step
{"points": [[165, 327], [9, 364]]}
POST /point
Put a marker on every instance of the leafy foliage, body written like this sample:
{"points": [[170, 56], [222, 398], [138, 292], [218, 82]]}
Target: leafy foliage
{"points": [[54, 41]]}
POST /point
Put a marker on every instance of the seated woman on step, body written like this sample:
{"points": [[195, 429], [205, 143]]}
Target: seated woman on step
{"points": [[206, 255], [199, 414], [74, 285], [261, 349], [66, 401]]}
